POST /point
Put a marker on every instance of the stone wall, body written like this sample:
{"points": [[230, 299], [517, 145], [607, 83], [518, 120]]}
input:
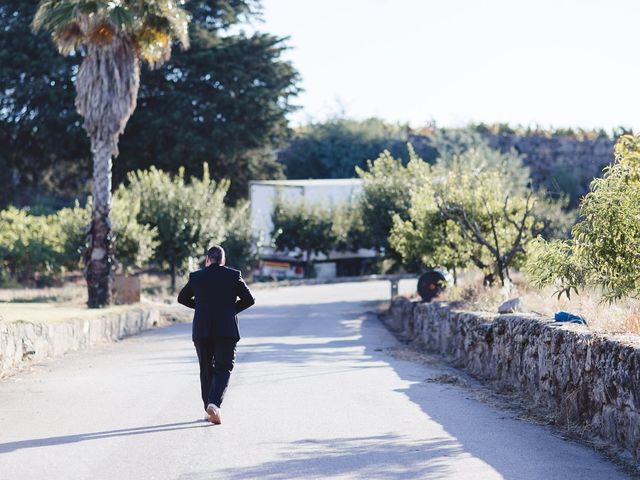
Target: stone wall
{"points": [[589, 379], [24, 343]]}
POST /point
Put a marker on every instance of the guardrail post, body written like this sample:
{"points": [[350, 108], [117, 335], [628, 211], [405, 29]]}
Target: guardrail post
{"points": [[394, 289]]}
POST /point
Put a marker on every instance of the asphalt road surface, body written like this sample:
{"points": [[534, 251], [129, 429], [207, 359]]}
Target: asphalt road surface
{"points": [[316, 393]]}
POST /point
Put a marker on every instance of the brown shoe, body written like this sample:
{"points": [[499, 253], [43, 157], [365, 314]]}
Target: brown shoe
{"points": [[214, 414]]}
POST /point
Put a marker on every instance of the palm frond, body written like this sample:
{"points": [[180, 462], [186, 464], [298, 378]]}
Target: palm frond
{"points": [[152, 24], [53, 15], [122, 18]]}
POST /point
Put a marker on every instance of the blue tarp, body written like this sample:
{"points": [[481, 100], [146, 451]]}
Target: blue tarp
{"points": [[569, 317]]}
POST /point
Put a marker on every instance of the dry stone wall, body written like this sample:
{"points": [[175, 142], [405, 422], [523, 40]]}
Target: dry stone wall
{"points": [[24, 343], [589, 379]]}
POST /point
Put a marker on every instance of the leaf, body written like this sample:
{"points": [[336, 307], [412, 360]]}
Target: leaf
{"points": [[122, 17]]}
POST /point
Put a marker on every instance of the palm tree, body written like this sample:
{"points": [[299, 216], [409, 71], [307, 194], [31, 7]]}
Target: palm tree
{"points": [[114, 36]]}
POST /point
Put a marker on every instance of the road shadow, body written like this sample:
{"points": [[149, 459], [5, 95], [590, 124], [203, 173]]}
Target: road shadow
{"points": [[514, 449], [389, 456], [296, 334], [82, 437]]}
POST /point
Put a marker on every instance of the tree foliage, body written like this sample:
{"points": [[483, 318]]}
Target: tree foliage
{"points": [[189, 216], [305, 228], [45, 156], [45, 153], [135, 243], [387, 187], [604, 248], [474, 207], [224, 101], [36, 248], [29, 246], [465, 213], [241, 245], [333, 149]]}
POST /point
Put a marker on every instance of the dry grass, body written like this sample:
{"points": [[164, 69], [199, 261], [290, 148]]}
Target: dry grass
{"points": [[71, 292], [46, 312], [620, 317], [155, 287], [69, 301]]}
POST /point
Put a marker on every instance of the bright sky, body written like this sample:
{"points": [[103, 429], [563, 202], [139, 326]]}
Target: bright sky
{"points": [[549, 62]]}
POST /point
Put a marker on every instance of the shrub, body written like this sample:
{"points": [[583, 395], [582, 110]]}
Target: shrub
{"points": [[29, 246], [604, 248], [387, 187], [304, 227], [468, 210], [240, 244], [134, 243], [188, 216]]}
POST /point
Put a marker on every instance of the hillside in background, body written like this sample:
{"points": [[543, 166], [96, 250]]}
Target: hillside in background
{"points": [[561, 161]]}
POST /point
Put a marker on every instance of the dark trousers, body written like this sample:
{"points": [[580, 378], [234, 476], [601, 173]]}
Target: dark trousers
{"points": [[216, 356]]}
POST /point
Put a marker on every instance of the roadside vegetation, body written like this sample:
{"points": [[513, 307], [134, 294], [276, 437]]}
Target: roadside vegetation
{"points": [[485, 202]]}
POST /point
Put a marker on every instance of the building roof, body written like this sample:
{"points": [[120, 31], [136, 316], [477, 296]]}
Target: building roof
{"points": [[324, 182]]}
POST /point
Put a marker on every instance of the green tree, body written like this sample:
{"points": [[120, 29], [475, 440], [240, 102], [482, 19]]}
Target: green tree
{"points": [[494, 222], [45, 152], [47, 155], [427, 238], [134, 243], [115, 38], [241, 245], [333, 149], [304, 227], [349, 229], [468, 149], [604, 248], [387, 189], [467, 211], [224, 101], [188, 216]]}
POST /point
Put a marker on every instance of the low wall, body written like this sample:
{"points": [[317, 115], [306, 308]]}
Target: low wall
{"points": [[25, 343], [588, 379]]}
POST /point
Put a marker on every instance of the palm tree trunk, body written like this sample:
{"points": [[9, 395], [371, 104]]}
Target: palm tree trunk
{"points": [[107, 86], [98, 272], [173, 277]]}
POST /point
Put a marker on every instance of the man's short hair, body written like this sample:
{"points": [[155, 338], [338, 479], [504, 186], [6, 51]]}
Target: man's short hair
{"points": [[215, 254]]}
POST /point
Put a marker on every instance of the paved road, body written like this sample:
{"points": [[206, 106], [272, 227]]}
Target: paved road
{"points": [[316, 394]]}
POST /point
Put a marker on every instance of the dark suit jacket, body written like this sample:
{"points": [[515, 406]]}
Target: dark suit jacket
{"points": [[218, 294]]}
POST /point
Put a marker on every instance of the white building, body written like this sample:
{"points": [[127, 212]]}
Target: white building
{"points": [[330, 193]]}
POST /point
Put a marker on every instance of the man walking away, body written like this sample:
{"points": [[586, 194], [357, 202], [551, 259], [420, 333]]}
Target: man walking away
{"points": [[217, 294]]}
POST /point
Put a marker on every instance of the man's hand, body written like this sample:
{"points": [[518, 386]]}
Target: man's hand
{"points": [[186, 296], [246, 298]]}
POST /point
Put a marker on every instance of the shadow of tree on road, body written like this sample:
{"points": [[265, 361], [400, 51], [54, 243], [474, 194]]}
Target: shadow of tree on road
{"points": [[387, 456]]}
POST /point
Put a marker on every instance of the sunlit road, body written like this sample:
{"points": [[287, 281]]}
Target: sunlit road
{"points": [[316, 393]]}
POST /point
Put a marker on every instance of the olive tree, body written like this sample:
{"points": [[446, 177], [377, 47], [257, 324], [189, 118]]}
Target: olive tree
{"points": [[188, 216], [466, 212], [387, 188], [604, 248], [304, 227]]}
